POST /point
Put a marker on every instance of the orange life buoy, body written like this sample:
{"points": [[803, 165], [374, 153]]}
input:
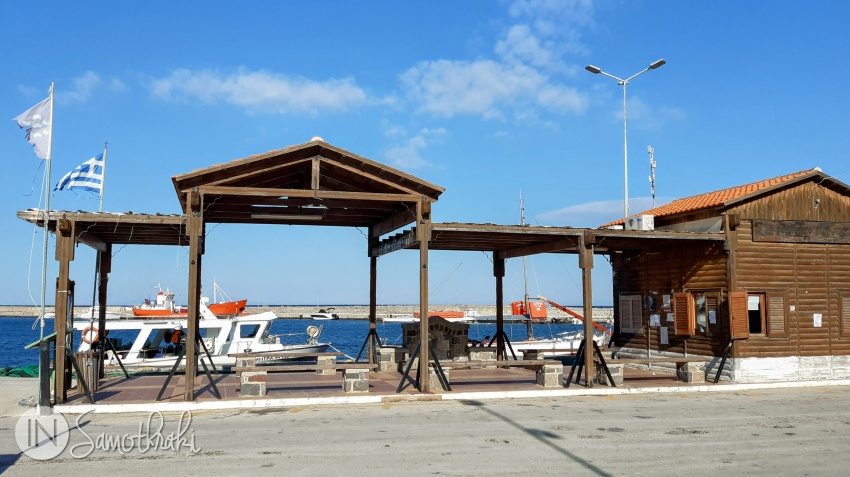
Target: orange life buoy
{"points": [[87, 335]]}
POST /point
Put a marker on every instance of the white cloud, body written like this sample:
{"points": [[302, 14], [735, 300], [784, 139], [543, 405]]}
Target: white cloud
{"points": [[522, 77], [486, 88], [261, 91], [641, 115], [82, 87], [407, 155]]}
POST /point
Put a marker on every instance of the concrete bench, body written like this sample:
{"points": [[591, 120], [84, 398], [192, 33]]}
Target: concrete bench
{"points": [[253, 378], [687, 367], [549, 372], [252, 359]]}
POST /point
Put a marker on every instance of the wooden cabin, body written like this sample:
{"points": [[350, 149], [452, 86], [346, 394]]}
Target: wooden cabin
{"points": [[773, 295]]}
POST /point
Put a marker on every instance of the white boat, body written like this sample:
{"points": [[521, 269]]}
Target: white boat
{"points": [[91, 314], [562, 344], [470, 314], [151, 343], [325, 314]]}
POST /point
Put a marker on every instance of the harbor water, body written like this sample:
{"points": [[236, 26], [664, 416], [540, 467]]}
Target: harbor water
{"points": [[347, 336]]}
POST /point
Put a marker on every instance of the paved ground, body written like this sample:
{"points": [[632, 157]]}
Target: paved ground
{"points": [[789, 431]]}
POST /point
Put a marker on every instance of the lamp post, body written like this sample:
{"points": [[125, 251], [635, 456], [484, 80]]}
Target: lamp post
{"points": [[624, 82]]}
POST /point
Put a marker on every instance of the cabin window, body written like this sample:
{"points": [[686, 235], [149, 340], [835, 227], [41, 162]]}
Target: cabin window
{"points": [[631, 313], [705, 312], [248, 331], [755, 313], [763, 314]]}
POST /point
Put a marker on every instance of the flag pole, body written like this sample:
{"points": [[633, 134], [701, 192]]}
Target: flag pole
{"points": [[46, 237], [103, 175]]}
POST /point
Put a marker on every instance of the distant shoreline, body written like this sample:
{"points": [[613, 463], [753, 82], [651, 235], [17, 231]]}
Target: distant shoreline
{"points": [[345, 312]]}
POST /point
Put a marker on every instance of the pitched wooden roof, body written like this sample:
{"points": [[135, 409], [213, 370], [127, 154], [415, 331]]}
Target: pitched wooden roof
{"points": [[313, 183], [727, 197]]}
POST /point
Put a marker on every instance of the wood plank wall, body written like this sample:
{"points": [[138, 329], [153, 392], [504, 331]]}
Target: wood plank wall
{"points": [[812, 277], [672, 269]]}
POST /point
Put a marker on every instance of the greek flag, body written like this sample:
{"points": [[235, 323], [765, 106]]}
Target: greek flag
{"points": [[36, 121], [87, 176]]}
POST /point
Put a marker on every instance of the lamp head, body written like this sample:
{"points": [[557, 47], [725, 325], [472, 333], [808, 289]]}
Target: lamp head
{"points": [[657, 64], [594, 69]]}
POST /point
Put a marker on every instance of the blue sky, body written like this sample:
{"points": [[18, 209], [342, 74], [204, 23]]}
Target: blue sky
{"points": [[486, 99]]}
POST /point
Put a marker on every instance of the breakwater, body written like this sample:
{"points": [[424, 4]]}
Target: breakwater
{"points": [[345, 312]]}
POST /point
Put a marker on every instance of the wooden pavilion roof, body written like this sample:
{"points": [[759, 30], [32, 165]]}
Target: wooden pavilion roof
{"points": [[314, 183], [97, 229], [522, 240]]}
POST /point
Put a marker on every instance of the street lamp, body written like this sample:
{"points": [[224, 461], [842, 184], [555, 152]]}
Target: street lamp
{"points": [[624, 82]]}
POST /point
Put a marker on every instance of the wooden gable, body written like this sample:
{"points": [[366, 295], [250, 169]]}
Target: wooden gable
{"points": [[314, 183]]}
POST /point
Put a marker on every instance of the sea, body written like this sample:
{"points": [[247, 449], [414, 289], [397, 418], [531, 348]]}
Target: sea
{"points": [[345, 336]]}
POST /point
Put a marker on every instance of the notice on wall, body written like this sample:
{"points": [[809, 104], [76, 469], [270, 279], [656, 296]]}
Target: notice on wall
{"points": [[665, 302], [670, 318], [654, 320], [753, 302], [664, 339], [712, 317], [818, 320]]}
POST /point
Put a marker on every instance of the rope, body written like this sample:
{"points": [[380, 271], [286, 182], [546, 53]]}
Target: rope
{"points": [[350, 358]]}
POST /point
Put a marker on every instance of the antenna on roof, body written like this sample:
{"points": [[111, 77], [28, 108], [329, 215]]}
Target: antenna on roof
{"points": [[651, 152]]}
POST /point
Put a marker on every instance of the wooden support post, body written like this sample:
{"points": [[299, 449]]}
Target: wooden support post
{"points": [[373, 298], [585, 260], [730, 245], [63, 311], [104, 267], [195, 229], [423, 235], [499, 273]]}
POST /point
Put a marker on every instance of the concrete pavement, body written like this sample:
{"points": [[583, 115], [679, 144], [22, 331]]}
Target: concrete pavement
{"points": [[790, 430]]}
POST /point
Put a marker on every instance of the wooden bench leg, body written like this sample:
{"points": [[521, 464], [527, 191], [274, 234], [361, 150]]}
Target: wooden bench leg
{"points": [[355, 380], [549, 375], [253, 383]]}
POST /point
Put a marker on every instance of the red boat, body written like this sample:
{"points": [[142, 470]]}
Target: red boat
{"points": [[165, 307]]}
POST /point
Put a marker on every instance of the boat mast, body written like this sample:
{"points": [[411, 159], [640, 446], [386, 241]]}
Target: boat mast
{"points": [[525, 274]]}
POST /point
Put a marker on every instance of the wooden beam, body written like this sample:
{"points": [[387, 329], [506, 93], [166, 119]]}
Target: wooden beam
{"points": [[399, 242], [557, 244], [63, 314], [315, 175], [395, 222], [322, 194], [195, 225], [92, 240], [423, 226], [499, 273], [586, 264]]}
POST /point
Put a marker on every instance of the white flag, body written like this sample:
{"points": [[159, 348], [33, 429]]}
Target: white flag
{"points": [[37, 121]]}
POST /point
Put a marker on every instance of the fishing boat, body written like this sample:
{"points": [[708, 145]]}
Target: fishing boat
{"points": [[164, 305], [156, 343], [470, 314], [325, 314]]}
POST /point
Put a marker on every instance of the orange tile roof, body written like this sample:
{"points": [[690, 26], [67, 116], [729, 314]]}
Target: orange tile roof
{"points": [[717, 198]]}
